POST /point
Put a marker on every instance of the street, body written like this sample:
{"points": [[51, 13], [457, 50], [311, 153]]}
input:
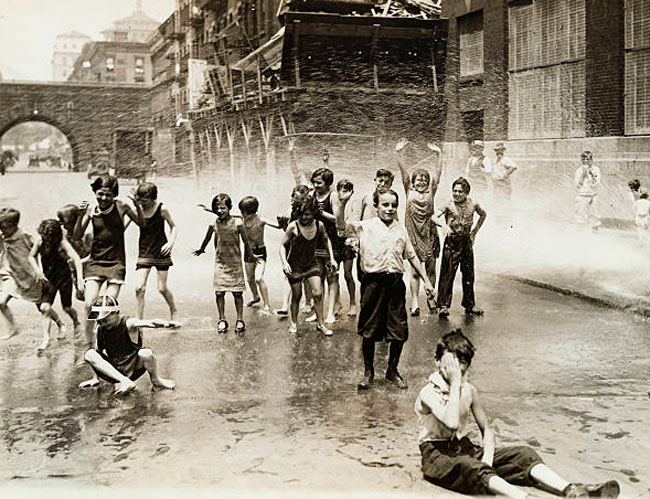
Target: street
{"points": [[268, 411]]}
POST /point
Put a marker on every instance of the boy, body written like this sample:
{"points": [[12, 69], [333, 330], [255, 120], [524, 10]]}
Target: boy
{"points": [[383, 182], [452, 461], [587, 180], [501, 168], [349, 249], [119, 357], [18, 279], [383, 247], [458, 247]]}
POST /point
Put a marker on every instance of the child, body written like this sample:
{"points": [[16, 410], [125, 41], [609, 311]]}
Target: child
{"points": [[383, 182], [587, 180], [255, 264], [458, 247], [635, 189], [154, 247], [107, 261], [642, 218], [299, 262], [322, 180], [55, 253], [383, 247], [120, 357], [420, 192], [348, 249], [452, 461], [68, 215], [228, 270], [19, 279]]}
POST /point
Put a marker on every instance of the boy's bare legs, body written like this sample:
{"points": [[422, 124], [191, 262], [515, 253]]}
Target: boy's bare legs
{"points": [[332, 296], [296, 295], [49, 316], [499, 486], [9, 317], [166, 294], [147, 359], [91, 294], [352, 286], [317, 295], [546, 476], [72, 313], [123, 384], [286, 296], [141, 276], [249, 268], [260, 268]]}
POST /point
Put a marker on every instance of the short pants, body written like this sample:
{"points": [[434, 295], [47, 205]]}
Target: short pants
{"points": [[63, 287], [258, 253], [112, 272], [382, 316]]}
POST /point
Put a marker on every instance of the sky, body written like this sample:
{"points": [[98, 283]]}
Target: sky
{"points": [[28, 29]]}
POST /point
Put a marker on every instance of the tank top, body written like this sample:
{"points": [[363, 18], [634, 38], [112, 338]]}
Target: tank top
{"points": [[108, 237], [301, 255], [116, 341], [55, 265], [330, 227], [152, 235]]}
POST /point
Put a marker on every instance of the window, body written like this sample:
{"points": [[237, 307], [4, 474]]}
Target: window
{"points": [[547, 69], [139, 65], [637, 67], [470, 28], [110, 63]]}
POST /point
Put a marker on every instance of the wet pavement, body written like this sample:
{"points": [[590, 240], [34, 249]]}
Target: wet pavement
{"points": [[272, 412]]}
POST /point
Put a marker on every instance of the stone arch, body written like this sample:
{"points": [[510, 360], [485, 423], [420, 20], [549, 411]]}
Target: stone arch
{"points": [[74, 144]]}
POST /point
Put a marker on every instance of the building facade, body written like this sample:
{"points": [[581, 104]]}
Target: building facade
{"points": [[67, 47], [113, 62]]}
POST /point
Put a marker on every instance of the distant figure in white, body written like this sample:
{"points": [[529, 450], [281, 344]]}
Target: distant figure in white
{"points": [[500, 170], [475, 171], [587, 180]]}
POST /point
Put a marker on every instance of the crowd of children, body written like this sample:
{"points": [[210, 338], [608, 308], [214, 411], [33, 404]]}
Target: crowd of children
{"points": [[322, 234]]}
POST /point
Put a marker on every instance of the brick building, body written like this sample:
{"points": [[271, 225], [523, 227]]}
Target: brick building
{"points": [[552, 77], [113, 62]]}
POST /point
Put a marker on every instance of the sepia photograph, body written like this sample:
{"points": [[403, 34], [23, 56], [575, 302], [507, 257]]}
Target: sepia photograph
{"points": [[324, 248]]}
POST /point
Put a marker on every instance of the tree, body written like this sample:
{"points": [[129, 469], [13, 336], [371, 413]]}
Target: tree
{"points": [[7, 160]]}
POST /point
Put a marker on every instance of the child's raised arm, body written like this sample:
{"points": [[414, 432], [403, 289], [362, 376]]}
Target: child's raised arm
{"points": [[399, 149], [339, 211], [82, 222], [137, 217], [206, 240], [447, 413], [167, 247], [437, 169], [71, 254], [32, 257]]}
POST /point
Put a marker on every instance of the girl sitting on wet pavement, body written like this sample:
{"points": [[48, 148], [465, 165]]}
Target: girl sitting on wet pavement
{"points": [[452, 461], [119, 357]]}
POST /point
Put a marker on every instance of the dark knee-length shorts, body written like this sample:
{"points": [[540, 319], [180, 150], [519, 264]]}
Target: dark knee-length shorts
{"points": [[456, 465], [383, 307], [127, 365]]}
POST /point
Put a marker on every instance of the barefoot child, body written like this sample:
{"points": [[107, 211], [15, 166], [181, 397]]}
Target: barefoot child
{"points": [[420, 192], [255, 264], [55, 253], [452, 461], [68, 215], [154, 249], [228, 269], [348, 248], [120, 358], [459, 247], [383, 247], [298, 257]]}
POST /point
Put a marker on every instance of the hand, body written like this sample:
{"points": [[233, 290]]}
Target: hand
{"points": [[283, 222], [40, 276], [286, 268], [450, 368], [344, 196], [334, 266], [434, 148], [472, 237], [84, 206], [198, 252], [401, 144], [429, 291], [134, 198], [81, 286], [166, 248]]}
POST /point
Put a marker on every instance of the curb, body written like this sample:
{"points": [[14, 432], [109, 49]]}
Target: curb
{"points": [[612, 303]]}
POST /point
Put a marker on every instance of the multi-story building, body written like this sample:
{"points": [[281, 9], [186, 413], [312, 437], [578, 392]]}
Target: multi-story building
{"points": [[553, 77], [113, 62], [67, 47], [136, 28]]}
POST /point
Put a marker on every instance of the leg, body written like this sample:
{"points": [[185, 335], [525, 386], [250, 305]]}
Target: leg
{"points": [[66, 289], [100, 364], [147, 359], [72, 313], [448, 268], [90, 295], [141, 276], [166, 293], [296, 295], [286, 297], [415, 292], [309, 300], [249, 268], [49, 316], [239, 310], [6, 313], [499, 486], [332, 295], [467, 274], [316, 286], [430, 268], [260, 268], [113, 289], [546, 476], [368, 350], [220, 297], [352, 286]]}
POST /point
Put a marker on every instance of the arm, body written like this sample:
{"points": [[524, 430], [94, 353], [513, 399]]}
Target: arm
{"points": [[484, 426], [328, 243], [448, 414], [206, 240], [399, 149], [579, 177], [133, 324], [339, 211], [437, 169], [137, 217], [439, 220], [82, 222], [71, 254], [417, 266], [286, 239], [510, 167], [32, 257], [482, 214], [270, 224], [167, 247], [244, 237]]}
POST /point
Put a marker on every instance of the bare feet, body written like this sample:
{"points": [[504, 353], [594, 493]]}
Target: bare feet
{"points": [[11, 334], [44, 344], [293, 328], [172, 315], [63, 331], [124, 387], [266, 310], [330, 319], [352, 311], [162, 384], [91, 383], [311, 318], [252, 302]]}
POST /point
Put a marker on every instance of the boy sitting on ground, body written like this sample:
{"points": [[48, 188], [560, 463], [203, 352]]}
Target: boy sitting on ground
{"points": [[119, 357], [452, 461]]}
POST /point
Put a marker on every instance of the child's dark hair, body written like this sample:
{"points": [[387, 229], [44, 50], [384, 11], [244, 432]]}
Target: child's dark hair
{"points": [[51, 233], [422, 172], [306, 205], [644, 194], [344, 184], [325, 174], [10, 216], [634, 184], [147, 190], [457, 343], [300, 190], [221, 199], [106, 182], [375, 196], [463, 183], [68, 209], [249, 205], [385, 173]]}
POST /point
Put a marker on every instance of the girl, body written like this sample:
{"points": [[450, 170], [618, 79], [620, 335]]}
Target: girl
{"points": [[420, 192], [55, 253], [107, 261], [154, 248], [300, 264], [228, 270]]}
